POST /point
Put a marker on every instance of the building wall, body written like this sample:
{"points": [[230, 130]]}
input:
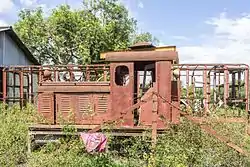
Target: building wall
{"points": [[12, 54], [1, 47]]}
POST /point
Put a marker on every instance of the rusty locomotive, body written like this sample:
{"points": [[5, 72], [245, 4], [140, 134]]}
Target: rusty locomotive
{"points": [[142, 87]]}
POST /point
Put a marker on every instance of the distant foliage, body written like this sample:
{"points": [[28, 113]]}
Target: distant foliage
{"points": [[146, 37], [77, 36]]}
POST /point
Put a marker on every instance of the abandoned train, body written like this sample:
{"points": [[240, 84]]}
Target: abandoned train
{"points": [[122, 89]]}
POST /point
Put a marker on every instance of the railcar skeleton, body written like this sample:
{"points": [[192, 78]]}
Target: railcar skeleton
{"points": [[143, 87]]}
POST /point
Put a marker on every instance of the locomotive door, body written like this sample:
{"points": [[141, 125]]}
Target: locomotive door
{"points": [[122, 91]]}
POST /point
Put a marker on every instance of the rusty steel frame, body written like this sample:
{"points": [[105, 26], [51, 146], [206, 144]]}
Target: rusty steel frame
{"points": [[214, 72], [31, 70], [219, 70], [226, 69]]}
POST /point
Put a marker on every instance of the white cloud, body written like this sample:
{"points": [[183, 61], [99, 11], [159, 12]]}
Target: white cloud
{"points": [[140, 4], [6, 5], [228, 43], [3, 23], [28, 3]]}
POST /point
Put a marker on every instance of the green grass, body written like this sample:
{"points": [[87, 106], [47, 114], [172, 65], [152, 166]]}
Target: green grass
{"points": [[183, 145]]}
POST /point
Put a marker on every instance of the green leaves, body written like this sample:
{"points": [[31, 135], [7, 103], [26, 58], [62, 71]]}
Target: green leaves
{"points": [[76, 36], [145, 37]]}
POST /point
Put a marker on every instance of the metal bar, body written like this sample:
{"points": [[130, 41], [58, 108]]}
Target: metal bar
{"points": [[215, 87], [205, 91], [55, 74], [208, 89], [21, 88], [30, 84], [223, 139], [104, 75], [226, 87], [187, 85], [4, 86], [40, 75], [247, 89], [87, 74], [233, 86], [219, 88], [239, 84]]}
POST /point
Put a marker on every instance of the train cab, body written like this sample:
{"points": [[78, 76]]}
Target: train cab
{"points": [[135, 74], [112, 91]]}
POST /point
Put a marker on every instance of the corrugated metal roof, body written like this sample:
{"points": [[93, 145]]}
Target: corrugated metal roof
{"points": [[9, 31]]}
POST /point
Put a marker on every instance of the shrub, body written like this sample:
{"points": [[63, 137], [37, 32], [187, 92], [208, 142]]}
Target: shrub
{"points": [[13, 134], [183, 145]]}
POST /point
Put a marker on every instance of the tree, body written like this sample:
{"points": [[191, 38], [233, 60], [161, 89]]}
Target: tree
{"points": [[145, 37], [76, 36]]}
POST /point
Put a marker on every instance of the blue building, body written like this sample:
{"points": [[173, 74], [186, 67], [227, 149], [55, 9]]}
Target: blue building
{"points": [[12, 49], [13, 52]]}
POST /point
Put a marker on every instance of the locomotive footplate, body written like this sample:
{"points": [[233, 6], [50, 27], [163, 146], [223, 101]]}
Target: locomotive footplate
{"points": [[42, 134]]}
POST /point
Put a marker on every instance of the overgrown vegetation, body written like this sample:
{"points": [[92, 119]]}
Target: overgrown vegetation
{"points": [[182, 145], [65, 35]]}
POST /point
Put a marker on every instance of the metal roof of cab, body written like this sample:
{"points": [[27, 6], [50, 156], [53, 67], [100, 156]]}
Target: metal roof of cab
{"points": [[9, 31], [144, 51]]}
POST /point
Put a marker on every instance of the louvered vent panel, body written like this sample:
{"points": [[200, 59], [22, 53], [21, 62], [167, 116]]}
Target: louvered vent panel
{"points": [[65, 103], [45, 103], [85, 105], [102, 103]]}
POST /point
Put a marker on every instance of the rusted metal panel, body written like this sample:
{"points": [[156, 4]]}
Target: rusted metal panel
{"points": [[146, 114], [46, 106], [122, 96], [155, 119], [85, 104], [59, 88], [175, 93], [163, 81], [65, 108], [102, 103], [141, 56], [93, 108], [83, 108]]}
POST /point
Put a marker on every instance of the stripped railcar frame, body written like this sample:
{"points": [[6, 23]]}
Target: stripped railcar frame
{"points": [[139, 89]]}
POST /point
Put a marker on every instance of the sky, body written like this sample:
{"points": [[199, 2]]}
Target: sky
{"points": [[203, 31]]}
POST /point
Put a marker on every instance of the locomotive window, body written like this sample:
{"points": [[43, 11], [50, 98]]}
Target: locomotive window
{"points": [[121, 75]]}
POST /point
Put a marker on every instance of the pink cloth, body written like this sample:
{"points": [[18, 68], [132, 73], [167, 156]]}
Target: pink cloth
{"points": [[94, 141]]}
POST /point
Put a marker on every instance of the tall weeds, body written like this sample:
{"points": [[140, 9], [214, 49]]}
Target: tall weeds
{"points": [[181, 146]]}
